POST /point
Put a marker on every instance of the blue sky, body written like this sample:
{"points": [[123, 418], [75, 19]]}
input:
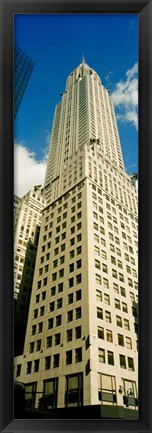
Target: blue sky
{"points": [[56, 43]]}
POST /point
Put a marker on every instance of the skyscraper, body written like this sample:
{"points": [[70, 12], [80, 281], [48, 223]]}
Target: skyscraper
{"points": [[27, 220], [81, 340], [23, 67]]}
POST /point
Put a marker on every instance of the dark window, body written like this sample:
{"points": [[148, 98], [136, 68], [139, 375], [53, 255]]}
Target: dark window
{"points": [[70, 315], [71, 282], [58, 320], [71, 267], [52, 304], [59, 303], [122, 361], [47, 362], [69, 335], [69, 357], [78, 295], [50, 323], [36, 365], [78, 279], [49, 341], [78, 354], [29, 367], [78, 332], [110, 358], [56, 360], [70, 298]]}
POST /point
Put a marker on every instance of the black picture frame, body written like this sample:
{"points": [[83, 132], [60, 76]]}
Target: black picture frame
{"points": [[144, 9]]}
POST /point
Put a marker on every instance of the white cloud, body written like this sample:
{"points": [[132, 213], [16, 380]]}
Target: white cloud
{"points": [[27, 170], [125, 97]]}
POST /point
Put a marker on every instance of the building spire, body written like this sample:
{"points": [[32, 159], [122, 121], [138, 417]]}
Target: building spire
{"points": [[83, 61]]}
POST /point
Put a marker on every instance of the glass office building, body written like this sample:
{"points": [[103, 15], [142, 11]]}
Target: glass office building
{"points": [[23, 67]]}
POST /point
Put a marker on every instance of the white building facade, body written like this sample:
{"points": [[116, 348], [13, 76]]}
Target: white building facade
{"points": [[81, 341], [27, 220]]}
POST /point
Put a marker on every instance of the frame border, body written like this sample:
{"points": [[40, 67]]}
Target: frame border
{"points": [[144, 10]]}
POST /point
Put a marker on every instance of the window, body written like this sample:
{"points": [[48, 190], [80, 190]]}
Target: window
{"points": [[31, 350], [119, 321], [113, 260], [74, 390], [71, 254], [101, 333], [126, 324], [56, 360], [53, 291], [98, 279], [79, 250], [49, 341], [78, 313], [43, 296], [54, 276], [124, 307], [56, 250], [130, 364], [106, 299], [78, 279], [29, 367], [110, 357], [40, 327], [42, 310], [121, 277], [61, 273], [109, 336], [97, 250], [100, 313], [71, 267], [37, 298], [69, 357], [52, 304], [128, 343], [59, 303], [120, 340], [47, 362], [79, 264], [114, 273], [60, 287], [105, 283], [78, 295], [115, 288], [58, 320], [117, 304], [70, 298], [62, 247], [123, 291], [108, 316], [122, 360], [50, 323], [71, 282], [70, 316], [99, 295], [35, 313], [101, 355], [78, 354], [97, 264], [78, 332], [69, 335], [57, 339], [104, 268], [36, 365], [72, 241]]}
